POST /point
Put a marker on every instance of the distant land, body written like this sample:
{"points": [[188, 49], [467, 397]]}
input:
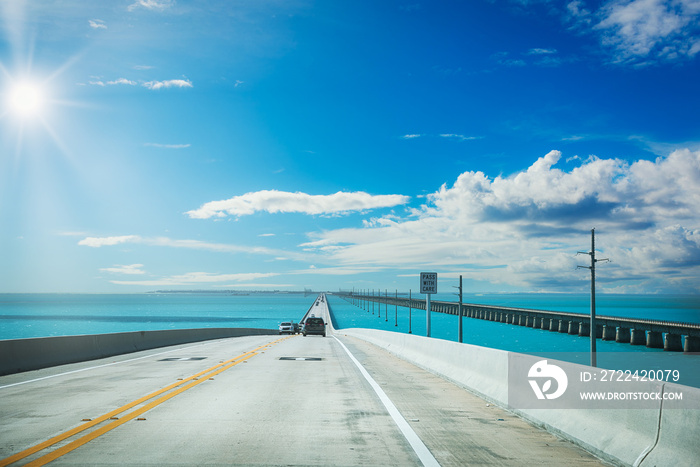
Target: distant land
{"points": [[233, 292]]}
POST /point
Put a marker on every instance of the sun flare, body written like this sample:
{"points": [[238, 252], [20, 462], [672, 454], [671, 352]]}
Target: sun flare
{"points": [[26, 99]]}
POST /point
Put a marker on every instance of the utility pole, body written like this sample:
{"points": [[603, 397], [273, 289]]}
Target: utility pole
{"points": [[386, 305], [410, 331], [592, 326], [459, 310], [396, 308]]}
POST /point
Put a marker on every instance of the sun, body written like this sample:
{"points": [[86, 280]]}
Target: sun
{"points": [[26, 99]]}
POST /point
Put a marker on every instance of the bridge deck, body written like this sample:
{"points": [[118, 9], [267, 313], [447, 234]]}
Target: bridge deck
{"points": [[280, 406]]}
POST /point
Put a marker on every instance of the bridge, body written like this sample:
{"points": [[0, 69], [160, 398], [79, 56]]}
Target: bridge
{"points": [[668, 335], [356, 397]]}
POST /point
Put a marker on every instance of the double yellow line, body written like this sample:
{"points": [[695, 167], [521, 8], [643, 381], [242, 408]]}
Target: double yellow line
{"points": [[185, 384]]}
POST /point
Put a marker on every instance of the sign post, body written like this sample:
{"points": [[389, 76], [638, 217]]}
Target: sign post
{"points": [[428, 286]]}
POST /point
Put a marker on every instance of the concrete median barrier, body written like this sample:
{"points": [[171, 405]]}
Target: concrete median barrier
{"points": [[17, 355]]}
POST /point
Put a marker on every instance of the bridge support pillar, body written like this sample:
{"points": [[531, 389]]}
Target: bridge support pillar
{"points": [[553, 324], [573, 328], [608, 333], [692, 344], [544, 323], [655, 340], [563, 326], [623, 335], [535, 322], [584, 329], [673, 343], [504, 317], [638, 337]]}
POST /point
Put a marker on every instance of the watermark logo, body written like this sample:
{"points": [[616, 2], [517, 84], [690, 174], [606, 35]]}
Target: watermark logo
{"points": [[542, 371]]}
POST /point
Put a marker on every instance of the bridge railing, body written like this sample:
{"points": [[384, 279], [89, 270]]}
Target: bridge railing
{"points": [[669, 335]]}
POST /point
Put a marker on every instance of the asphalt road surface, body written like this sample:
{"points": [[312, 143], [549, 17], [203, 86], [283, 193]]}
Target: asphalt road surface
{"points": [[261, 400]]}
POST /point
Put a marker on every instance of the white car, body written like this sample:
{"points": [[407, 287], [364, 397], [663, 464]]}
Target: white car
{"points": [[287, 328]]}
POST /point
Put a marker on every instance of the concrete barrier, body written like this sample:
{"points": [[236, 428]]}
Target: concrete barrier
{"points": [[17, 355], [664, 435], [678, 434]]}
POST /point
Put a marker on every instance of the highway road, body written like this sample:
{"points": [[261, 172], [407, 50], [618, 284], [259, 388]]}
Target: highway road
{"points": [[261, 400]]}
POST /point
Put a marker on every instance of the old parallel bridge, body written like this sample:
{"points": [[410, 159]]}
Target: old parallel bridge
{"points": [[669, 335]]}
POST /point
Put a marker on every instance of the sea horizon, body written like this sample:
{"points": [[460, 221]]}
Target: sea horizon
{"points": [[51, 314]]}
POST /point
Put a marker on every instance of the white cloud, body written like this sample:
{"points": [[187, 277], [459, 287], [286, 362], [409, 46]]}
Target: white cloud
{"points": [[521, 230], [97, 242], [459, 137], [577, 11], [274, 201], [129, 269], [167, 146], [122, 81], [525, 229], [153, 85], [97, 81], [641, 32], [454, 136], [153, 5], [97, 24], [171, 83], [198, 278], [538, 51]]}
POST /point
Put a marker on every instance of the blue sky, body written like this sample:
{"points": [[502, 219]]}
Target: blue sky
{"points": [[171, 144]]}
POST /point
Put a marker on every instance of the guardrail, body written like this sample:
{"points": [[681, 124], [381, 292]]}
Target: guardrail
{"points": [[669, 335]]}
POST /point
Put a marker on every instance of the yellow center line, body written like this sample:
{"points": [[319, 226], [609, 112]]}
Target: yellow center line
{"points": [[57, 439], [100, 431]]}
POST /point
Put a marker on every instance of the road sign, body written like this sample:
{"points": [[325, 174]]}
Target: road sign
{"points": [[428, 286], [428, 282]]}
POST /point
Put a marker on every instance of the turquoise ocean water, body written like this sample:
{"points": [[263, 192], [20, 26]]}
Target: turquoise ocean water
{"points": [[44, 315]]}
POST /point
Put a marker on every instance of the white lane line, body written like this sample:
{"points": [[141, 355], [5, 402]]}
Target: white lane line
{"points": [[101, 366], [419, 448]]}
